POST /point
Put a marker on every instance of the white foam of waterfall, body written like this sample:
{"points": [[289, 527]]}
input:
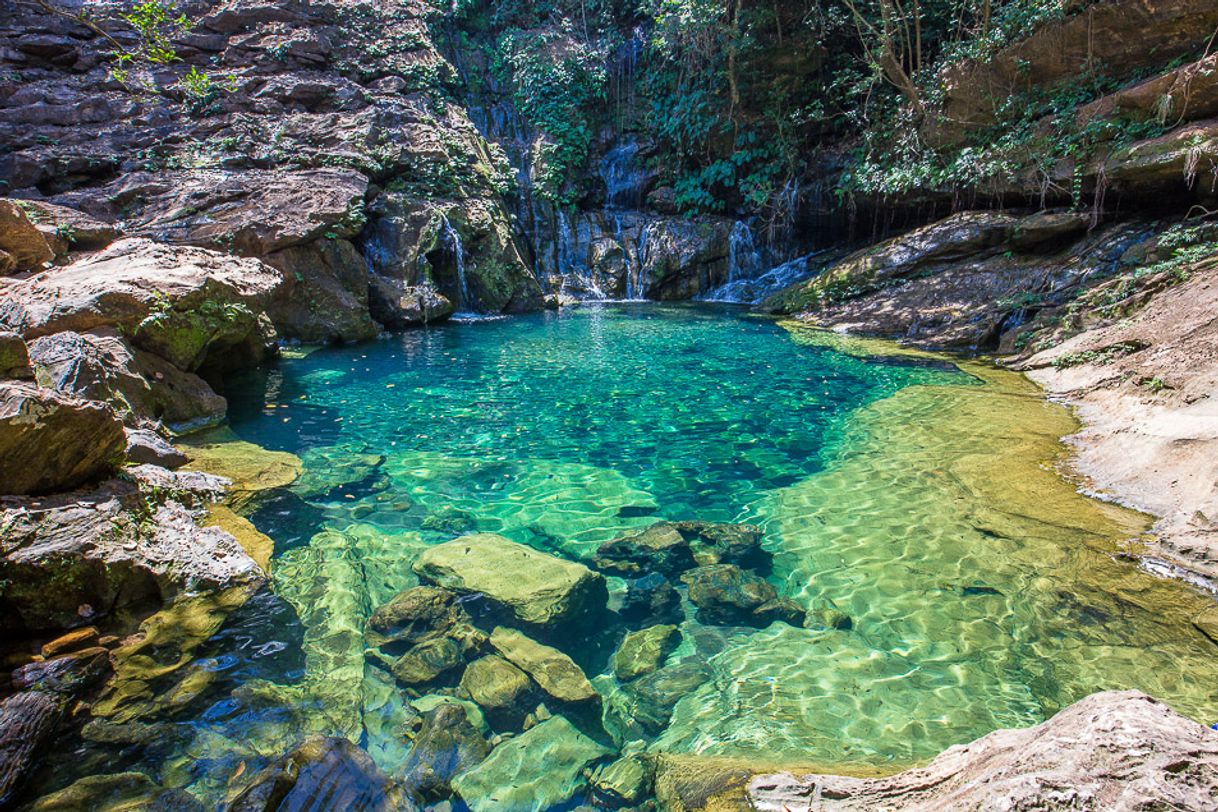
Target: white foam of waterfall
{"points": [[753, 291], [453, 240], [624, 178], [743, 258]]}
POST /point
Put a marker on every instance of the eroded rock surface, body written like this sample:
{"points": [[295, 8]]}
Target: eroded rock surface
{"points": [[52, 442], [1113, 751]]}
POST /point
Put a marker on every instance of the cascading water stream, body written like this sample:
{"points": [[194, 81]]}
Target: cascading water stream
{"points": [[743, 258], [453, 240]]}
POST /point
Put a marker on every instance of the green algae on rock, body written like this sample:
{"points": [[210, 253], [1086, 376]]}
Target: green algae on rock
{"points": [[251, 468]]}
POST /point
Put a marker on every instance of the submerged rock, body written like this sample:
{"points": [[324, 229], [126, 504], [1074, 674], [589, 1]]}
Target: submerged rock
{"points": [[651, 599], [52, 442], [427, 662], [413, 616], [251, 468], [727, 595], [643, 651], [656, 694], [1116, 750], [555, 672], [625, 782], [659, 548], [537, 589], [323, 773], [671, 548], [447, 744], [500, 688], [539, 769], [118, 792]]}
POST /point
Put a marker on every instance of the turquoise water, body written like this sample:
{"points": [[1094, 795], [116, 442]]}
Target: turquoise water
{"points": [[913, 495]]}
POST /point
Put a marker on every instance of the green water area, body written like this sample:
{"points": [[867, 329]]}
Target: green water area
{"points": [[927, 575]]}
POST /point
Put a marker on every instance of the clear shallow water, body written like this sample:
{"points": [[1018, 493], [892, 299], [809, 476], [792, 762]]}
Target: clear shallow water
{"points": [[915, 496]]}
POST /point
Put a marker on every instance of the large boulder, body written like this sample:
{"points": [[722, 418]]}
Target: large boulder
{"points": [[325, 292], [52, 442], [1113, 751], [190, 306], [253, 212], [102, 365], [510, 779], [497, 686], [22, 245], [120, 548], [536, 589]]}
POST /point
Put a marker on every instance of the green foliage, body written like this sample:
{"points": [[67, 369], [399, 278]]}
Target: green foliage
{"points": [[555, 81]]}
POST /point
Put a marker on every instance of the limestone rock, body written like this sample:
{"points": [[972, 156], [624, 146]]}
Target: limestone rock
{"points": [[190, 306], [625, 782], [117, 792], [149, 448], [21, 240], [1114, 751], [642, 652], [52, 442], [108, 549], [27, 721], [330, 773], [538, 589], [413, 616], [555, 672], [510, 779], [447, 744], [102, 365], [14, 357], [257, 545], [727, 595], [496, 685], [427, 662], [325, 293], [67, 229]]}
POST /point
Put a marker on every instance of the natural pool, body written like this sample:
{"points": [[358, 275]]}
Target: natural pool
{"points": [[915, 497]]}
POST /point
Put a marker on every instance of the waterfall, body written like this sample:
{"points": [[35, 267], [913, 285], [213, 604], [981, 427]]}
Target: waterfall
{"points": [[624, 179], [634, 262], [453, 240], [754, 290], [743, 258]]}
